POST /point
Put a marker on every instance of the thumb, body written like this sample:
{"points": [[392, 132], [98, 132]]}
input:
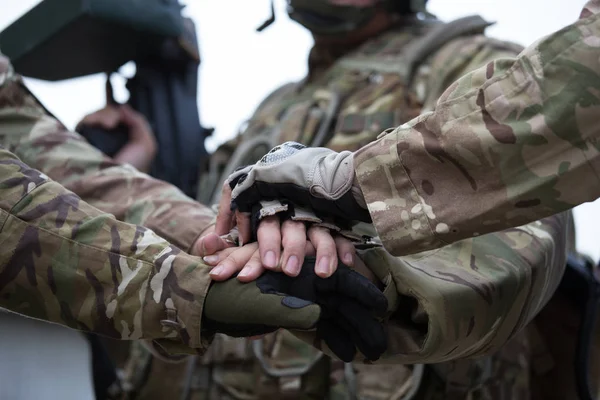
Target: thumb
{"points": [[209, 245]]}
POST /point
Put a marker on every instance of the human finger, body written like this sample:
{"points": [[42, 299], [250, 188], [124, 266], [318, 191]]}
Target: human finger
{"points": [[209, 245], [293, 240], [269, 242], [225, 215], [345, 250], [326, 252], [233, 261], [253, 268], [242, 222]]}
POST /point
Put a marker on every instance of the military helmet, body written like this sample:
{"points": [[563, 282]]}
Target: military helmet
{"points": [[334, 17]]}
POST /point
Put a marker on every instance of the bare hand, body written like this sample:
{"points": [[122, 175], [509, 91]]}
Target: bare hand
{"points": [[244, 259], [282, 247], [208, 243], [272, 236], [141, 147]]}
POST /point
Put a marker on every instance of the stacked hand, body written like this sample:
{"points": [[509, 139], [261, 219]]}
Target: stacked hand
{"points": [[342, 309], [315, 291], [280, 247], [317, 178]]}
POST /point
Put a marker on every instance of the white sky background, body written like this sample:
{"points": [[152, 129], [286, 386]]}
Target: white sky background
{"points": [[240, 67]]}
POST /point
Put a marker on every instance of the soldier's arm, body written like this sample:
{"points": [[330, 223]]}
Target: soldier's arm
{"points": [[469, 298], [65, 261], [43, 143], [507, 144]]}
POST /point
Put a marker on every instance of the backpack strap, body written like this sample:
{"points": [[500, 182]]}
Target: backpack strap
{"points": [[405, 62], [418, 50]]}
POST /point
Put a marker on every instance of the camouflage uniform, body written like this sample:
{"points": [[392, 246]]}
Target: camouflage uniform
{"points": [[463, 300], [514, 140], [511, 142], [65, 261], [469, 299]]}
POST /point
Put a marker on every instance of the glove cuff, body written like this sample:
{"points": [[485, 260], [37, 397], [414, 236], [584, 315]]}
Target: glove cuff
{"points": [[357, 193]]}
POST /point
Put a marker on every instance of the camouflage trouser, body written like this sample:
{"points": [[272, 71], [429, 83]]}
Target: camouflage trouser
{"points": [[231, 370], [502, 376], [506, 377]]}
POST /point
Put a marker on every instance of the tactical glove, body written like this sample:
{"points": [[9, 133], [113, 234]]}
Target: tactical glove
{"points": [[318, 178], [342, 309]]}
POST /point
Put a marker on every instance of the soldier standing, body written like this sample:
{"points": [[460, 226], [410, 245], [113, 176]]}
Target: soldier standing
{"points": [[376, 65]]}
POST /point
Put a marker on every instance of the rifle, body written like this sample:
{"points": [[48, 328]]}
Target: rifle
{"points": [[64, 39]]}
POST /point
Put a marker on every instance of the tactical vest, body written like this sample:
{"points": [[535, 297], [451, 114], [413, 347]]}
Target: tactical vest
{"points": [[361, 95], [364, 93]]}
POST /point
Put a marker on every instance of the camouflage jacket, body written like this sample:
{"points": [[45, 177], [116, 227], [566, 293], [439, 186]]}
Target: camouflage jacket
{"points": [[484, 289], [511, 142], [65, 261], [42, 142], [464, 300]]}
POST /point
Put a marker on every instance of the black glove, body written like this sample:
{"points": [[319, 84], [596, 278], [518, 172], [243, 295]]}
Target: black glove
{"points": [[341, 308]]}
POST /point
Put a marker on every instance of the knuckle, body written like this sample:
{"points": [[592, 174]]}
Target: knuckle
{"points": [[319, 232], [270, 221], [325, 244], [294, 246], [269, 239], [343, 243], [293, 238], [232, 260], [226, 187], [255, 261], [322, 236], [293, 225], [255, 264]]}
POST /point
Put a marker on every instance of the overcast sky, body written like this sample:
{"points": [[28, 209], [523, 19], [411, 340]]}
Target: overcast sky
{"points": [[240, 67]]}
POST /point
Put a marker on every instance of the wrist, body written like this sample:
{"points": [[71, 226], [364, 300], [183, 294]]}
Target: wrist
{"points": [[357, 192]]}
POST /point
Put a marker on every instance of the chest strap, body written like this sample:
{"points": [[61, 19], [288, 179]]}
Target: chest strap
{"points": [[407, 62]]}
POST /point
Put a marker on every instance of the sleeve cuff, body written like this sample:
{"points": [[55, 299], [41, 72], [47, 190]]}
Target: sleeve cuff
{"points": [[399, 213]]}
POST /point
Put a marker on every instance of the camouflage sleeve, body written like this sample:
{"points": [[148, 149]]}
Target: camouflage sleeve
{"points": [[45, 144], [467, 299], [65, 261], [507, 144], [470, 298]]}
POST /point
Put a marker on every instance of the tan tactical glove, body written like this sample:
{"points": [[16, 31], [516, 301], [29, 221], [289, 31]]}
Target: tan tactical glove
{"points": [[317, 178]]}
